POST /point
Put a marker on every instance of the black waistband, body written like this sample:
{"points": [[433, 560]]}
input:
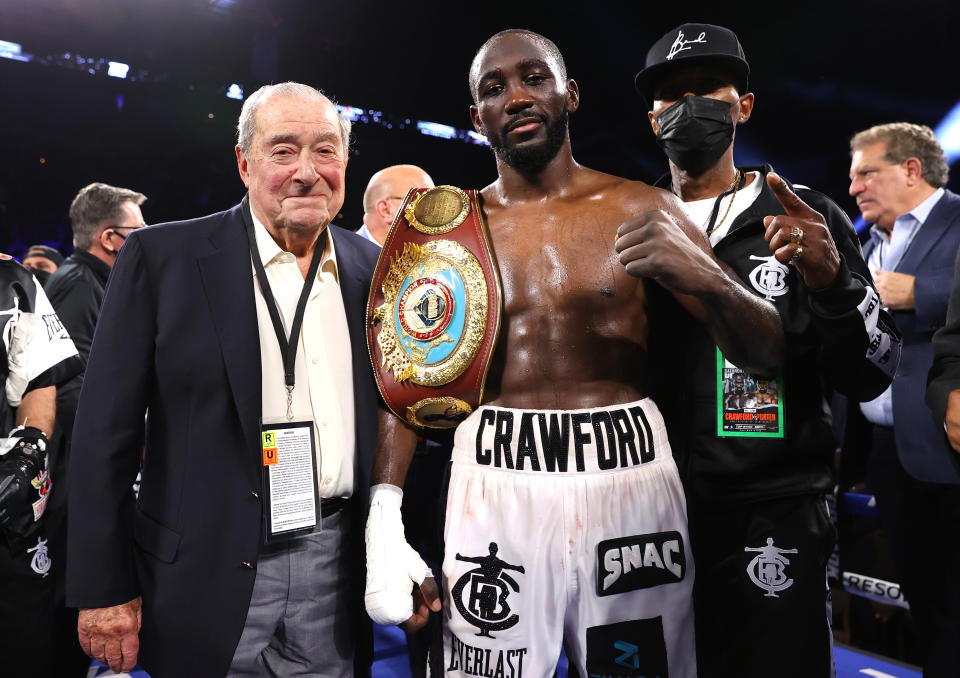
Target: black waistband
{"points": [[333, 505]]}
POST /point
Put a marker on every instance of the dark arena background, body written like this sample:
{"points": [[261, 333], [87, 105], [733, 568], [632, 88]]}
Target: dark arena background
{"points": [[145, 94]]}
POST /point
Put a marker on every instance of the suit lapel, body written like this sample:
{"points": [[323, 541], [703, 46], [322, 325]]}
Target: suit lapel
{"points": [[228, 286], [928, 236], [354, 287]]}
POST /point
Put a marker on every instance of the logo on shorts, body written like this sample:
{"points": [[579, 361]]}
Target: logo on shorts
{"points": [[41, 559], [481, 594], [770, 277], [768, 568], [630, 649], [639, 562]]}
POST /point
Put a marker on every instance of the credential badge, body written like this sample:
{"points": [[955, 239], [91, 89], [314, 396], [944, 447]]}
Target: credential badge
{"points": [[770, 277], [767, 569]]}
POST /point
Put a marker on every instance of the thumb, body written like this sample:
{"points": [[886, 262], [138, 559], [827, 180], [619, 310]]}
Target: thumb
{"points": [[431, 593], [790, 201]]}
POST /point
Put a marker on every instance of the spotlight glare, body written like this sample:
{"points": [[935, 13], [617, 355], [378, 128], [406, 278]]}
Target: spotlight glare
{"points": [[235, 91], [436, 129], [13, 50], [948, 134], [477, 138], [115, 69]]}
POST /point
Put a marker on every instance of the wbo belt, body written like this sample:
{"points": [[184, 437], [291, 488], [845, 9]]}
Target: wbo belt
{"points": [[433, 314]]}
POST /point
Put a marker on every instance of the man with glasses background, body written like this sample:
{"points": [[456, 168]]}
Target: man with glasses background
{"points": [[102, 216]]}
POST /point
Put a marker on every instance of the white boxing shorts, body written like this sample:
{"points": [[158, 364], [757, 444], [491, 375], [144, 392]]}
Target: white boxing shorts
{"points": [[567, 528]]}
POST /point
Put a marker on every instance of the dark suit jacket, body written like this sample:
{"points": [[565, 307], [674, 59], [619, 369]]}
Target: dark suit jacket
{"points": [[921, 446], [944, 376], [177, 338]]}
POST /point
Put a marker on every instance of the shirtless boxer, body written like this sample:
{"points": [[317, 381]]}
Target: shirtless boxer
{"points": [[566, 470]]}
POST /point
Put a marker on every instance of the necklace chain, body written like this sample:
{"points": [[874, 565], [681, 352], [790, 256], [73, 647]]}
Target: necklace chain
{"points": [[735, 186]]}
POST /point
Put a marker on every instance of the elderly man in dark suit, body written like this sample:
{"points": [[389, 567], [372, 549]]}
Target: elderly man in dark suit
{"points": [[897, 175], [230, 332]]}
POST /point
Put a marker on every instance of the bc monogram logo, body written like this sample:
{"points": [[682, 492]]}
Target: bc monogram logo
{"points": [[481, 594], [40, 563], [770, 277], [767, 569]]}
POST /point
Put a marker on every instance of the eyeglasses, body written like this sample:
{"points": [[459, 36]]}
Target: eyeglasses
{"points": [[117, 229]]}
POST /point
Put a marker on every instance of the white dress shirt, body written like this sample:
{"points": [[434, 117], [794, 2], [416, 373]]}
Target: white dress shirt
{"points": [[324, 367]]}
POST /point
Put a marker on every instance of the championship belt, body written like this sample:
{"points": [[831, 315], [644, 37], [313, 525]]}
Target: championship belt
{"points": [[433, 314]]}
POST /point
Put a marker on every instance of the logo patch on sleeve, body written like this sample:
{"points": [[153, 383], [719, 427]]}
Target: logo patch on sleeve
{"points": [[639, 562], [630, 649]]}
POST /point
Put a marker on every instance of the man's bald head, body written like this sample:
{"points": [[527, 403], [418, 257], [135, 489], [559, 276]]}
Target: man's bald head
{"points": [[385, 191], [550, 51]]}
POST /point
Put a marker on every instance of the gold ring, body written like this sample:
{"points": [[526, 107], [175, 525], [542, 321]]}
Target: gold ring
{"points": [[796, 235], [797, 254]]}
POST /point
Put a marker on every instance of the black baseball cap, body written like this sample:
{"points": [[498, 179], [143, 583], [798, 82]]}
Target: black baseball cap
{"points": [[691, 44], [46, 252]]}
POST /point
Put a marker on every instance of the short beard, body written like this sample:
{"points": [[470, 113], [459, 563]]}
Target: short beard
{"points": [[530, 159]]}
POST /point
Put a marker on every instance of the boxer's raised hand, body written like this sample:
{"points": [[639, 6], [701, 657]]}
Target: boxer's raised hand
{"points": [[801, 237]]}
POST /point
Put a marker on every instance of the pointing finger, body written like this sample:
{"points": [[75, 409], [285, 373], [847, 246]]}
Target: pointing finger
{"points": [[790, 201]]}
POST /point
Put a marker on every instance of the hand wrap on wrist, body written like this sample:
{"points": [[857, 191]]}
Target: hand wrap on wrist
{"points": [[393, 567]]}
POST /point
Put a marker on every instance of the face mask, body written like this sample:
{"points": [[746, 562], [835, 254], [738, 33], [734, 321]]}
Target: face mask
{"points": [[695, 132], [41, 276]]}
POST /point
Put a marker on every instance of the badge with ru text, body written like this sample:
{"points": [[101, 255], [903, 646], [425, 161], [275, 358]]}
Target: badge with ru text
{"points": [[748, 405], [291, 498]]}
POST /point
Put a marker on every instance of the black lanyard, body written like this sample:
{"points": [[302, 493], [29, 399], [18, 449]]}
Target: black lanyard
{"points": [[288, 348]]}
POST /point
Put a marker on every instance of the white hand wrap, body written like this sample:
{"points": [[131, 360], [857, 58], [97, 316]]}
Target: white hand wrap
{"points": [[393, 567]]}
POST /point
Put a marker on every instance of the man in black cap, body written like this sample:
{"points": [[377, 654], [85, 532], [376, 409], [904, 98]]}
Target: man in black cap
{"points": [[43, 261], [756, 476]]}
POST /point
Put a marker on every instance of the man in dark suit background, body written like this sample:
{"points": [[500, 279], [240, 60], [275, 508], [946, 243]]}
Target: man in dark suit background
{"points": [[897, 175], [184, 577], [943, 386]]}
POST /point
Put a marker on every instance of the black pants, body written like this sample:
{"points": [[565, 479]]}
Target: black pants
{"points": [[27, 590], [922, 524], [760, 612]]}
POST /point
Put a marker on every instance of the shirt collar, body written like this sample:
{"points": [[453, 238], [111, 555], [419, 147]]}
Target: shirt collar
{"points": [[922, 211], [269, 250], [100, 268], [911, 219]]}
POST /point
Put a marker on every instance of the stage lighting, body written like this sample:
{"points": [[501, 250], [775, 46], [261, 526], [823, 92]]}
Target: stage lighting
{"points": [[115, 69], [948, 134], [351, 113], [13, 50], [435, 129], [477, 138], [235, 91]]}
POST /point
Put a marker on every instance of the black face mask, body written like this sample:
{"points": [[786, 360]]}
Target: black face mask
{"points": [[41, 276], [695, 132]]}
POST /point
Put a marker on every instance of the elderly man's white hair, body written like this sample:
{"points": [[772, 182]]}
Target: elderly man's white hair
{"points": [[247, 125]]}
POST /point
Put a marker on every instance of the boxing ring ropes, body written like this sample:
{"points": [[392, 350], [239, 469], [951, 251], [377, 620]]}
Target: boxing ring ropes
{"points": [[855, 583]]}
